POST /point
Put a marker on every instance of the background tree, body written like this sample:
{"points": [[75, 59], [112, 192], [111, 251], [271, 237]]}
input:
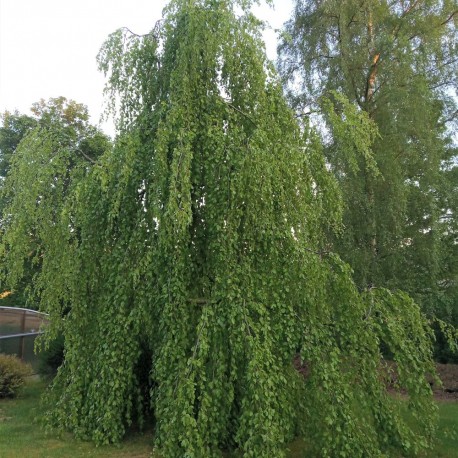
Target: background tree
{"points": [[197, 248], [397, 63], [47, 154], [14, 127], [448, 285]]}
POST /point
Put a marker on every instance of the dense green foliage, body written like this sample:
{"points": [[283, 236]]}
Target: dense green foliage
{"points": [[51, 357], [395, 62], [12, 375], [14, 127], [48, 154], [196, 248]]}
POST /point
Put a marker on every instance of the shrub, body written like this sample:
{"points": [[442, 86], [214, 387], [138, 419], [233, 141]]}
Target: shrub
{"points": [[12, 374]]}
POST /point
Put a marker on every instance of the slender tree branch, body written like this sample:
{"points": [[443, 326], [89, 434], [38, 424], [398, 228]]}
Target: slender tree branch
{"points": [[450, 118], [307, 114], [411, 7], [149, 34], [437, 86], [449, 18], [92, 161], [326, 56], [241, 112], [440, 25]]}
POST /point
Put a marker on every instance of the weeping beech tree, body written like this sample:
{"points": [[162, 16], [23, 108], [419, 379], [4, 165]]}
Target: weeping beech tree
{"points": [[189, 268]]}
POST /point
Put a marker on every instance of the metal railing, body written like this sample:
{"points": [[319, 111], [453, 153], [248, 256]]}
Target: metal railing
{"points": [[24, 326], [25, 334]]}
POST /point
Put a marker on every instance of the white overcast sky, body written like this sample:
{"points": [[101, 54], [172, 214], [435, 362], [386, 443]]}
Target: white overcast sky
{"points": [[48, 48]]}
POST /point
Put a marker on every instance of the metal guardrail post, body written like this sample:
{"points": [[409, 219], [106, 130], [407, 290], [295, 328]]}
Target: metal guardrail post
{"points": [[21, 340]]}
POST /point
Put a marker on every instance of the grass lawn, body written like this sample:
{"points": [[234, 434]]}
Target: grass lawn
{"points": [[448, 431], [21, 437]]}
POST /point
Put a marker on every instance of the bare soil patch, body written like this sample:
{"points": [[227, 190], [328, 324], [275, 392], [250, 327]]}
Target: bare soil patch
{"points": [[448, 374]]}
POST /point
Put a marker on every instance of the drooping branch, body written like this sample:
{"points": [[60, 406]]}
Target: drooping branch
{"points": [[230, 105]]}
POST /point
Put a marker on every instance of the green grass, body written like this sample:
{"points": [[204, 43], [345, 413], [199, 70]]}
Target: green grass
{"points": [[21, 437], [447, 446]]}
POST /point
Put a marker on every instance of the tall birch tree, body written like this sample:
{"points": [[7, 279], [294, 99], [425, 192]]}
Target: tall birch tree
{"points": [[396, 62]]}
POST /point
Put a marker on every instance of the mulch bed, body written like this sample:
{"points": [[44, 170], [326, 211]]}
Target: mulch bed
{"points": [[448, 374]]}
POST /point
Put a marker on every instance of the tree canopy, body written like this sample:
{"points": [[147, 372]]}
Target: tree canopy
{"points": [[396, 63], [14, 127], [189, 266], [43, 157]]}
